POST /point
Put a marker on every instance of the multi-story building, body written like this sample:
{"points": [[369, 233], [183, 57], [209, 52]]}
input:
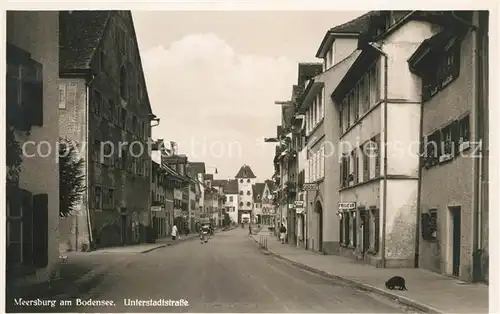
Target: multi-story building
{"points": [[320, 154], [32, 197], [231, 198], [453, 65], [246, 178], [377, 99], [268, 203], [182, 193], [158, 200], [258, 194], [292, 141], [103, 102]]}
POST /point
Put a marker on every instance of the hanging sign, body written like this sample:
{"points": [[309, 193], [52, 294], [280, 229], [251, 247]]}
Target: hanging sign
{"points": [[347, 205], [310, 187]]}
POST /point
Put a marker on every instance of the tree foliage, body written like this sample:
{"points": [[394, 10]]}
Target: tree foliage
{"points": [[71, 177], [13, 157]]}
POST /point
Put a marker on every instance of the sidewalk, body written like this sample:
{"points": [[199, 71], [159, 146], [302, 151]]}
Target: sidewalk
{"points": [[427, 291]]}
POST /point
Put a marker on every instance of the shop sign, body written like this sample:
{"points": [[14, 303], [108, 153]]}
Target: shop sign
{"points": [[347, 205], [299, 204], [156, 208], [310, 187]]}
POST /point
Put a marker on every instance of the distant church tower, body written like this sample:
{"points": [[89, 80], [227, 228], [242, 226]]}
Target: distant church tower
{"points": [[246, 179]]}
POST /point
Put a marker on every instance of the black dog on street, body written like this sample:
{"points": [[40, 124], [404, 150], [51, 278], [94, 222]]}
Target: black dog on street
{"points": [[396, 282]]}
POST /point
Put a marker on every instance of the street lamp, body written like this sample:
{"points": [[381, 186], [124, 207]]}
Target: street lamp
{"points": [[207, 166], [284, 103]]}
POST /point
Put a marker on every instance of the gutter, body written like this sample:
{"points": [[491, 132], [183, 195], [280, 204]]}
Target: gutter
{"points": [[384, 205]]}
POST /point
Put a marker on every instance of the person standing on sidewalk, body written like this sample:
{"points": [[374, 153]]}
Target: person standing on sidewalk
{"points": [[174, 232], [282, 234], [249, 229]]}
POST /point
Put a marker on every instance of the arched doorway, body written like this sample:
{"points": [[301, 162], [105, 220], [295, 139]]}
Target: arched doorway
{"points": [[318, 208]]}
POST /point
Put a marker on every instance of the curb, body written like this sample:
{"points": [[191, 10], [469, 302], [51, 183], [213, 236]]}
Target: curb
{"points": [[356, 284], [152, 249]]}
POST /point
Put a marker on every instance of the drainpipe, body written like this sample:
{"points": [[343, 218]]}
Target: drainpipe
{"points": [[419, 189], [87, 198], [477, 111], [384, 204]]}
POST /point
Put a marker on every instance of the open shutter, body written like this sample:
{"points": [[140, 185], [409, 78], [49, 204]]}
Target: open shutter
{"points": [[376, 231], [33, 92], [27, 218], [425, 225], [40, 230], [455, 138]]}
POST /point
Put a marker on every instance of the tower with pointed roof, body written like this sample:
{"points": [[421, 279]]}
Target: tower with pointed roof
{"points": [[246, 179]]}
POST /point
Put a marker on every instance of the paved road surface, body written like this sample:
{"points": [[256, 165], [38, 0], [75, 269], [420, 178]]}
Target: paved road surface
{"points": [[228, 274]]}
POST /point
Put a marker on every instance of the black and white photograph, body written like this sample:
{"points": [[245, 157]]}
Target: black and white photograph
{"points": [[229, 159]]}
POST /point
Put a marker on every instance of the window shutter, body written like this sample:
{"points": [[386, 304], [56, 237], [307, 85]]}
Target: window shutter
{"points": [[27, 219], [425, 218], [376, 232], [456, 60], [40, 230], [33, 93]]}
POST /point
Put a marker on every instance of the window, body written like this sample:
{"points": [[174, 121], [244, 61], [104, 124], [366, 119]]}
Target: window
{"points": [[241, 204], [124, 118], [374, 231], [97, 103], [62, 96], [248, 181], [429, 225], [355, 102], [348, 111], [367, 154], [112, 111], [230, 198], [124, 164], [355, 161], [123, 83], [14, 232], [442, 70], [344, 170], [111, 198], [241, 180], [463, 134], [248, 193], [446, 143], [432, 149], [98, 198], [24, 89], [376, 154], [241, 192], [97, 151], [248, 204]]}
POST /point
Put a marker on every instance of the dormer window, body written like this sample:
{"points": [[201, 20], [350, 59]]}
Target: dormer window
{"points": [[241, 180]]}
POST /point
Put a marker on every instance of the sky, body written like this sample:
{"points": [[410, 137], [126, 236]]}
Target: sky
{"points": [[213, 77]]}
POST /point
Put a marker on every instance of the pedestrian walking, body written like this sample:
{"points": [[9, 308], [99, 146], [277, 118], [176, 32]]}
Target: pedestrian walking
{"points": [[249, 229], [174, 233], [282, 234]]}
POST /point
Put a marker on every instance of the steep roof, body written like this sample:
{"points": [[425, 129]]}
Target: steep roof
{"points": [[198, 167], [245, 172], [80, 33], [219, 182], [258, 190], [270, 185], [231, 187]]}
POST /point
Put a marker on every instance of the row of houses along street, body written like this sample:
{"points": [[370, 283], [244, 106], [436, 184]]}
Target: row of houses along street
{"points": [[383, 146], [88, 63]]}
